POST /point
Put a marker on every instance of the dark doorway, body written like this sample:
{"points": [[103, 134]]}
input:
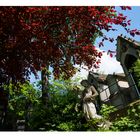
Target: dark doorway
{"points": [[129, 62]]}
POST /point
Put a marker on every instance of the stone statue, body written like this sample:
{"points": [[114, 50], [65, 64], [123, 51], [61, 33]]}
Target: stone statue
{"points": [[89, 95]]}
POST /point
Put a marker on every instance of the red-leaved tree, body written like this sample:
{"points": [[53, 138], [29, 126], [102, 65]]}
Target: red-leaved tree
{"points": [[32, 38]]}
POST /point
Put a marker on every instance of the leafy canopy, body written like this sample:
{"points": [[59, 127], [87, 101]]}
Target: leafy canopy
{"points": [[60, 37]]}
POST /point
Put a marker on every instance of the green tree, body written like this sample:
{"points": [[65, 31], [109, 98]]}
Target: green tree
{"points": [[64, 112], [130, 121], [22, 97], [136, 69]]}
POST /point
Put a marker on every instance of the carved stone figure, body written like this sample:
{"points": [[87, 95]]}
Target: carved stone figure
{"points": [[88, 97]]}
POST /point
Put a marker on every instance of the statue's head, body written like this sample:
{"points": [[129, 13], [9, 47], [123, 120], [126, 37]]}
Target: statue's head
{"points": [[85, 83]]}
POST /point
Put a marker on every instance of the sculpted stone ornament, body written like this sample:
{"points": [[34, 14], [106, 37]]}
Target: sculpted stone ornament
{"points": [[89, 95]]}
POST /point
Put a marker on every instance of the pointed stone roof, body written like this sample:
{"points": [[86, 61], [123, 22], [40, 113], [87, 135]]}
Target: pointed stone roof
{"points": [[102, 78], [123, 43], [134, 43]]}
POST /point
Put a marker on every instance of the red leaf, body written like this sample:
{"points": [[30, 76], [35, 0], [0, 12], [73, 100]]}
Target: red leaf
{"points": [[111, 55]]}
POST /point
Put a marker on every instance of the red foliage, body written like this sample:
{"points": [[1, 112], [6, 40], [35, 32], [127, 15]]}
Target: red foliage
{"points": [[32, 37]]}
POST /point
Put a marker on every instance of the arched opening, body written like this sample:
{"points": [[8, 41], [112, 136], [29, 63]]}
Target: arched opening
{"points": [[129, 62]]}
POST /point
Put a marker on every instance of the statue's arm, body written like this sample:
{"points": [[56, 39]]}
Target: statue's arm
{"points": [[92, 96], [94, 92]]}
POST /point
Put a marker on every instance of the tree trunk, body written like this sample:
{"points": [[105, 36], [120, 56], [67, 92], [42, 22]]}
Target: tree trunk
{"points": [[44, 78]]}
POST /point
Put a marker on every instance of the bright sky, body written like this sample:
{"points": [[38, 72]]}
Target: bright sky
{"points": [[111, 65], [108, 64]]}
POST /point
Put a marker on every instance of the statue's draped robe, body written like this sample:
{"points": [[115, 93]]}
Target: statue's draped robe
{"points": [[89, 109]]}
